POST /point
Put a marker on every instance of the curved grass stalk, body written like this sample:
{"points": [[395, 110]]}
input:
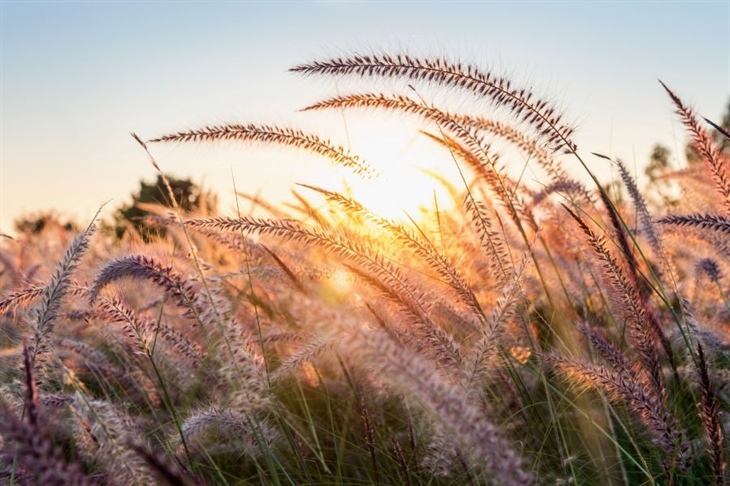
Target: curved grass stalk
{"points": [[142, 267], [475, 152], [273, 134], [522, 103], [702, 141]]}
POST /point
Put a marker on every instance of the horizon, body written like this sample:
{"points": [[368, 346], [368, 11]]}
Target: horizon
{"points": [[77, 77]]}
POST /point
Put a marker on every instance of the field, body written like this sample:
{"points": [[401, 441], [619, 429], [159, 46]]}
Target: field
{"points": [[565, 333]]}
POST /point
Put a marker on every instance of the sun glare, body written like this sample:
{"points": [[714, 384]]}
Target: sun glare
{"points": [[405, 187], [399, 193]]}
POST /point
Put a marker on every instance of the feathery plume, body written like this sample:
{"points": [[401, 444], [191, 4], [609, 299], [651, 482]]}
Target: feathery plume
{"points": [[712, 222], [709, 412], [644, 329], [272, 134], [55, 291], [521, 102], [143, 267], [641, 400], [467, 421], [702, 142]]}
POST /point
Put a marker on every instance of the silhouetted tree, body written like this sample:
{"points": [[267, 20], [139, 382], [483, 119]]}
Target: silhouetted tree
{"points": [[36, 223], [658, 162], [188, 195]]}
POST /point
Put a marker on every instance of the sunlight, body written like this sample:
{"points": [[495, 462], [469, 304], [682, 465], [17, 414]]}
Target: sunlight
{"points": [[341, 283], [405, 161], [398, 193]]}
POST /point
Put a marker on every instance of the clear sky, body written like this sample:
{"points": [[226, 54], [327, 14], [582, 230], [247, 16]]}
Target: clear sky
{"points": [[78, 76]]}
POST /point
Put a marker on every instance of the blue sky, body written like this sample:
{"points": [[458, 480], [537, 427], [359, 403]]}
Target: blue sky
{"points": [[77, 77]]}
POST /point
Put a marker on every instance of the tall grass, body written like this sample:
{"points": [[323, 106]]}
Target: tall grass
{"points": [[533, 335]]}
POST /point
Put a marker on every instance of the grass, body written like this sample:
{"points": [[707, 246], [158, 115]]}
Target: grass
{"points": [[533, 335]]}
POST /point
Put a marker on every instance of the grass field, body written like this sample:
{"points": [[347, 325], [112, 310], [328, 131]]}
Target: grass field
{"points": [[562, 333]]}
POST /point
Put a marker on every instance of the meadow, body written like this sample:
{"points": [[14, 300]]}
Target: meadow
{"points": [[551, 333]]}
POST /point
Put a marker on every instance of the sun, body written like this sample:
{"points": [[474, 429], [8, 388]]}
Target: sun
{"points": [[411, 175], [400, 193]]}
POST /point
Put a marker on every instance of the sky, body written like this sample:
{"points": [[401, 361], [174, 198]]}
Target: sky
{"points": [[76, 77]]}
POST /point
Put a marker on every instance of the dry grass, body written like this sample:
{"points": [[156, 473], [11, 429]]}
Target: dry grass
{"points": [[531, 336]]}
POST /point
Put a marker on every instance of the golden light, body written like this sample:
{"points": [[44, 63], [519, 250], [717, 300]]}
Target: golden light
{"points": [[398, 193], [403, 160], [521, 354], [340, 283]]}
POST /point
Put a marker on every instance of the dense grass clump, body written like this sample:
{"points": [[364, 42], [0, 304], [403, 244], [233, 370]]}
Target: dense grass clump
{"points": [[554, 334]]}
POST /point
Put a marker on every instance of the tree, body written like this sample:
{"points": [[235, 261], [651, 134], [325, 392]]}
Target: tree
{"points": [[188, 195], [658, 162], [36, 223]]}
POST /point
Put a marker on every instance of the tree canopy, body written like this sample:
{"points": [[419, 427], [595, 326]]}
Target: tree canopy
{"points": [[188, 195]]}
